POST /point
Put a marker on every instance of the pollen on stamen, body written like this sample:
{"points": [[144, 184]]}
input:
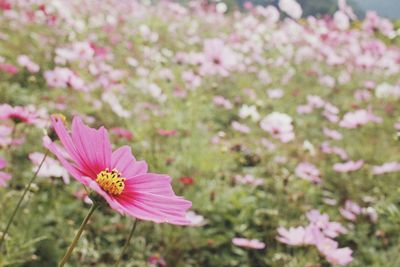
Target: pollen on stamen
{"points": [[111, 182]]}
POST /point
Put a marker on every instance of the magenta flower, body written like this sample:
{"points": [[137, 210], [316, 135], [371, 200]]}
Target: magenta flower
{"points": [[17, 114], [247, 243], [117, 176]]}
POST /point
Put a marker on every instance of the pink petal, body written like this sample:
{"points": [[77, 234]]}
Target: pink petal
{"points": [[93, 145], [156, 208], [123, 160], [74, 171]]}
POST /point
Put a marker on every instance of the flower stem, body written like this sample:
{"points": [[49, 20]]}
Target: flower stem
{"points": [[77, 236], [126, 243], [21, 199]]}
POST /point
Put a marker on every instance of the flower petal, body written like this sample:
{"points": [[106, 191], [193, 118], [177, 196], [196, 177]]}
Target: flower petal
{"points": [[123, 160]]}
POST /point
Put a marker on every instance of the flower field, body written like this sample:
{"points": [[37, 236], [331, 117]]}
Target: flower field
{"points": [[161, 134]]}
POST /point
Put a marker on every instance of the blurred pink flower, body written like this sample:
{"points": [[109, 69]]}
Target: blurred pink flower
{"points": [[294, 236], [122, 132], [4, 176], [221, 101], [166, 132], [279, 125], [348, 166], [248, 179], [17, 114], [247, 243], [291, 7], [333, 254], [5, 135], [386, 168], [26, 62], [218, 58], [309, 172], [50, 167], [63, 78], [116, 176], [358, 118], [242, 128], [8, 68], [341, 20], [335, 135]]}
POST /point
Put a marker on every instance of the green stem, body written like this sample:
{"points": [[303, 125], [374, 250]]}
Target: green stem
{"points": [[21, 199], [126, 243], [77, 236]]}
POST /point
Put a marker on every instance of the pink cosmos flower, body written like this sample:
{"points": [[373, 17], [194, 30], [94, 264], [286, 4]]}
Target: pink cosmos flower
{"points": [[335, 135], [26, 62], [386, 168], [348, 166], [279, 125], [358, 118], [218, 58], [247, 243], [223, 102], [122, 181], [166, 132], [8, 68], [333, 254], [4, 177], [309, 172], [50, 167], [17, 114], [63, 78], [122, 132], [291, 7], [328, 149], [248, 179], [295, 236], [350, 210], [242, 128], [157, 260]]}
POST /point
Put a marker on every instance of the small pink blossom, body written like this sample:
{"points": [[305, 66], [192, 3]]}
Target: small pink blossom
{"points": [[294, 236], [388, 167], [335, 135], [247, 243], [223, 102], [279, 125], [50, 167], [122, 132], [248, 179], [8, 68], [242, 128], [358, 118], [17, 114], [309, 172], [348, 166], [26, 62]]}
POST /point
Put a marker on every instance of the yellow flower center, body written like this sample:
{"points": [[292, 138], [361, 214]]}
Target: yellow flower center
{"points": [[111, 182]]}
